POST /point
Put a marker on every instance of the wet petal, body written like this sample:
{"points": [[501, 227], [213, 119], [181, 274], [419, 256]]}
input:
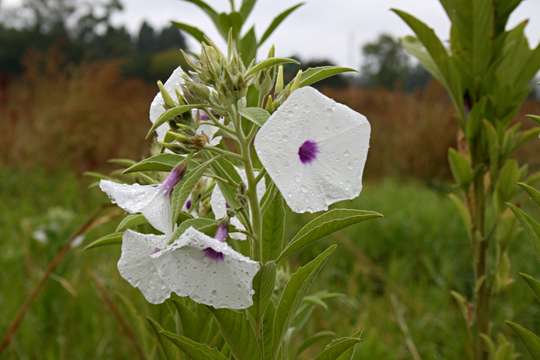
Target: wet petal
{"points": [[139, 268], [157, 107], [192, 266], [314, 149], [149, 200]]}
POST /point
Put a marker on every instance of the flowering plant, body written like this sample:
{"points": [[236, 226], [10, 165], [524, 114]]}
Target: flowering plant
{"points": [[486, 70], [238, 143]]}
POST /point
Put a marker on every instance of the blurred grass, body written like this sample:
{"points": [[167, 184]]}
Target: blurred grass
{"points": [[417, 253]]}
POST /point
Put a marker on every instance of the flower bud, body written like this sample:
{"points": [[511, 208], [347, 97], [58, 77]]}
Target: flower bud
{"points": [[173, 178]]}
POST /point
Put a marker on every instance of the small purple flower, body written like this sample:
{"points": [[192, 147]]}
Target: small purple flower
{"points": [[203, 116], [188, 204], [173, 178], [308, 151]]}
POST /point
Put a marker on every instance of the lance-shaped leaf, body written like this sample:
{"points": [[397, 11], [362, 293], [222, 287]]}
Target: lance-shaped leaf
{"points": [[267, 63], [156, 328], [529, 339], [246, 8], [171, 114], [197, 33], [263, 284], [277, 21], [316, 74], [238, 333], [323, 225], [193, 349], [528, 222], [533, 284], [248, 46], [131, 221], [337, 347], [194, 318], [183, 189], [461, 168], [107, 240], [533, 193], [292, 295], [256, 115], [204, 225], [160, 162], [273, 227], [314, 339]]}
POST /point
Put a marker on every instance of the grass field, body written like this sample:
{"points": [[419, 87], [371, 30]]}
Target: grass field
{"points": [[396, 273]]}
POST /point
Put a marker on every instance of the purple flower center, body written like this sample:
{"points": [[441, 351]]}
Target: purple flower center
{"points": [[213, 254], [173, 178], [308, 151], [188, 204]]}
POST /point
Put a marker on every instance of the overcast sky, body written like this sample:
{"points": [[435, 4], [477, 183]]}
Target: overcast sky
{"points": [[332, 29]]}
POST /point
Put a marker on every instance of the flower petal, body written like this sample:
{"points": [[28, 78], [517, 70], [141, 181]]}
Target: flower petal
{"points": [[149, 200], [139, 268], [157, 107], [314, 149], [223, 281]]}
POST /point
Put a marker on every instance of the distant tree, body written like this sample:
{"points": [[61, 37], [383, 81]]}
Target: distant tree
{"points": [[387, 65], [171, 38]]}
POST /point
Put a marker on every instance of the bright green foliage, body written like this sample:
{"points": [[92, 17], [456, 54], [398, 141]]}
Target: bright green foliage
{"points": [[486, 69]]}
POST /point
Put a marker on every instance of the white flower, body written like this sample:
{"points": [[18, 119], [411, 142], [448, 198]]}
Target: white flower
{"points": [[157, 107], [153, 201], [207, 270], [219, 204], [139, 268], [314, 149]]}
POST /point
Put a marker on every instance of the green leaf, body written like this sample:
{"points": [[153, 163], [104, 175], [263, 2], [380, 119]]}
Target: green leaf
{"points": [[197, 34], [248, 46], [267, 63], [256, 115], [204, 7], [463, 212], [238, 333], [263, 284], [461, 168], [131, 221], [246, 8], [533, 284], [323, 225], [171, 114], [204, 225], [337, 347], [483, 16], [528, 222], [535, 118], [320, 336], [156, 328], [277, 21], [193, 349], [182, 190], [292, 295], [508, 178], [438, 54], [194, 318], [529, 339], [415, 48], [273, 228], [160, 162], [533, 193], [107, 240], [316, 74]]}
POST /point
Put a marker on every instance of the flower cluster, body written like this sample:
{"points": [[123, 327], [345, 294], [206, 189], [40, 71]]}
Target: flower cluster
{"points": [[311, 149]]}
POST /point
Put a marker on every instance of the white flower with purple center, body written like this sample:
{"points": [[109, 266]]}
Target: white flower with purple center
{"points": [[153, 201], [314, 149], [220, 206]]}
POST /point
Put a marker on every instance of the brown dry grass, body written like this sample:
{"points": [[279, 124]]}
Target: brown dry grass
{"points": [[58, 116]]}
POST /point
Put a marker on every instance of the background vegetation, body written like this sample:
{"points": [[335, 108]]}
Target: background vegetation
{"points": [[75, 91]]}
